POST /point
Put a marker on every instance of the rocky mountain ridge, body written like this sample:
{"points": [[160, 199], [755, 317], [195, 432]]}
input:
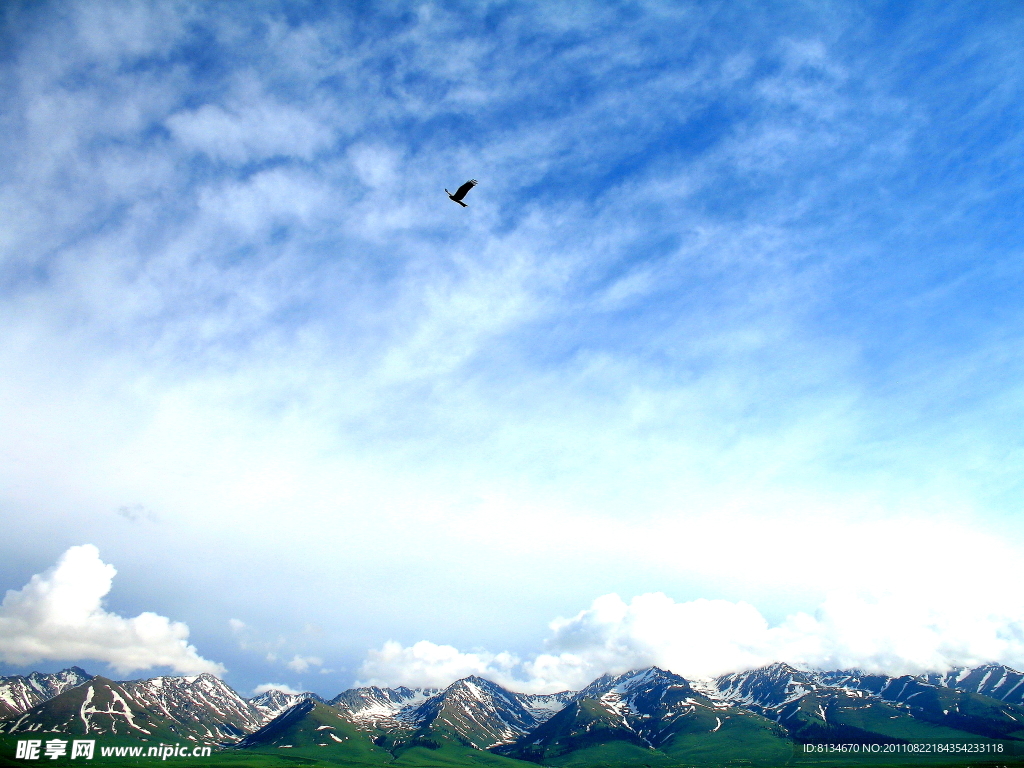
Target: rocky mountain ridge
{"points": [[809, 702], [18, 693], [641, 710], [200, 708], [272, 703]]}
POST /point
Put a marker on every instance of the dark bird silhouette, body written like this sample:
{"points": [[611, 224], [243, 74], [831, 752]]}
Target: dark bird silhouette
{"points": [[461, 192]]}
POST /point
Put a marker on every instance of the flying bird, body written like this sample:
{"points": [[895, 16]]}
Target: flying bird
{"points": [[461, 192]]}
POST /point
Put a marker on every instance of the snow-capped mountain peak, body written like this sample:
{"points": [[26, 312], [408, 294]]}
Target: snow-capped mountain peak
{"points": [[200, 708], [476, 710], [385, 708], [770, 686], [995, 680], [18, 694], [272, 703], [542, 706]]}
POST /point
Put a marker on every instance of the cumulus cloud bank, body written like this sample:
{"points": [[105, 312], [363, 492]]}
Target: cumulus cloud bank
{"points": [[430, 665], [889, 632], [59, 615]]}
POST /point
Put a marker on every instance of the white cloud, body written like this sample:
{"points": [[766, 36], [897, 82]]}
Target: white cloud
{"points": [[426, 664], [892, 632], [375, 166], [699, 638], [255, 129], [273, 687], [900, 632], [59, 615], [303, 663]]}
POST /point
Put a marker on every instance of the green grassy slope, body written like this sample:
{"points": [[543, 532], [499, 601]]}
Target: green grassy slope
{"points": [[613, 753], [725, 737], [451, 755], [964, 711], [316, 730], [581, 725]]}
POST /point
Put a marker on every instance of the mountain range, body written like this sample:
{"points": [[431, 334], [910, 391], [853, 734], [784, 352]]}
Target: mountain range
{"points": [[643, 717]]}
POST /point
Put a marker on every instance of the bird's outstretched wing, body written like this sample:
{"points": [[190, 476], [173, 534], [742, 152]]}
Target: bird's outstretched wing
{"points": [[461, 191]]}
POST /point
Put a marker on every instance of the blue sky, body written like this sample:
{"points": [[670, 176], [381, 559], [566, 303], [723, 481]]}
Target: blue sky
{"points": [[729, 330]]}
